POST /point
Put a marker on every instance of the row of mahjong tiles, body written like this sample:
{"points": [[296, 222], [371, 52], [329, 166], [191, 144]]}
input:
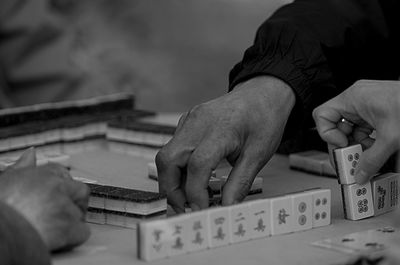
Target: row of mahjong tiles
{"points": [[116, 245]]}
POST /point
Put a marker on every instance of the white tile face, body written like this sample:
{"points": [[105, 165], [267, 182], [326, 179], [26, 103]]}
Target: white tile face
{"points": [[302, 211], [115, 219], [133, 136], [219, 224], [96, 217], [321, 207], [358, 202], [179, 243], [96, 202], [260, 220], [198, 231], [116, 134], [52, 136], [17, 142], [281, 215], [380, 190], [154, 238], [385, 193], [346, 160], [239, 216], [155, 139], [394, 190]]}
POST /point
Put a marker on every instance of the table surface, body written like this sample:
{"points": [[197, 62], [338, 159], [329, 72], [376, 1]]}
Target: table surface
{"points": [[118, 246]]}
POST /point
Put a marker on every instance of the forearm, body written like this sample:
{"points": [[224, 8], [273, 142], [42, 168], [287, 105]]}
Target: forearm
{"points": [[19, 241], [319, 48]]}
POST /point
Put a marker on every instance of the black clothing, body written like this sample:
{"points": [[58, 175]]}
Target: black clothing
{"points": [[320, 48]]}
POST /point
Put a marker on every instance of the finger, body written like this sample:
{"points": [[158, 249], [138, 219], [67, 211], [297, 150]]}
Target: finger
{"points": [[326, 119], [330, 151], [240, 179], [74, 230], [362, 135], [78, 192], [27, 159], [171, 179], [372, 160], [204, 159], [345, 127], [80, 232]]}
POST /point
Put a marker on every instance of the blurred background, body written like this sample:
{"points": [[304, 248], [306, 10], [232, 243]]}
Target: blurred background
{"points": [[171, 54]]}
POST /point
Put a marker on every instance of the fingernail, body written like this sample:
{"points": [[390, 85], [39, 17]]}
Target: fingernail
{"points": [[361, 177]]}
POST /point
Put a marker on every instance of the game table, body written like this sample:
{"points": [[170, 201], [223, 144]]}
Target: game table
{"points": [[118, 246]]}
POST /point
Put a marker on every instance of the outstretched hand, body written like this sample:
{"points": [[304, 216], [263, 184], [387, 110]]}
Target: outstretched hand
{"points": [[244, 126], [353, 115]]}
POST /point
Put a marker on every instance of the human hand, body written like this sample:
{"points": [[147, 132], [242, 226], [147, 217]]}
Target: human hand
{"points": [[244, 126], [49, 199], [366, 106]]}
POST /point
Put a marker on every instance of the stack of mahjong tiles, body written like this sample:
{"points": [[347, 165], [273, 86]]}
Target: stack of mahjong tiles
{"points": [[134, 137], [378, 196], [123, 206], [221, 226], [41, 159], [65, 125]]}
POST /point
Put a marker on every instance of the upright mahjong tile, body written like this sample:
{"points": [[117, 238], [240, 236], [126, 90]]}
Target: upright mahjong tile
{"points": [[240, 222], [357, 200], [260, 221], [219, 227], [385, 192], [321, 207], [154, 239], [302, 205], [281, 215], [346, 160], [198, 231], [179, 243]]}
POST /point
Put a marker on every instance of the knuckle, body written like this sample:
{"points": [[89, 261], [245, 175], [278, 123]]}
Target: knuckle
{"points": [[197, 111], [163, 158], [317, 112]]}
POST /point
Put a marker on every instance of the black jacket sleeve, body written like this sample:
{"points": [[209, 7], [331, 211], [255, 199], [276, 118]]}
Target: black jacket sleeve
{"points": [[320, 48]]}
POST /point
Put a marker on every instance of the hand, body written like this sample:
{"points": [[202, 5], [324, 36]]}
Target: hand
{"points": [[366, 106], [50, 200], [244, 126]]}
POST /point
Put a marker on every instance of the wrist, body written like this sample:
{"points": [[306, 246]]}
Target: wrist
{"points": [[274, 93]]}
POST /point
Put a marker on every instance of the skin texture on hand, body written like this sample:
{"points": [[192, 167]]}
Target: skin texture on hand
{"points": [[366, 106], [244, 126], [20, 243], [51, 201]]}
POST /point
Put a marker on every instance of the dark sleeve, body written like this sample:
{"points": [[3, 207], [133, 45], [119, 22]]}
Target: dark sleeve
{"points": [[319, 48], [19, 241]]}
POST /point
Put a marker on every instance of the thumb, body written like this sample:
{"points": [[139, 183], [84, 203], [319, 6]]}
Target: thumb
{"points": [[239, 181], [27, 159], [372, 160]]}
